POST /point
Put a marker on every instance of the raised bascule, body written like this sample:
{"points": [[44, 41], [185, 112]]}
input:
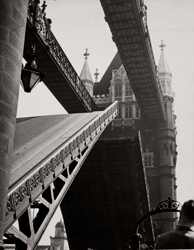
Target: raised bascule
{"points": [[117, 159]]}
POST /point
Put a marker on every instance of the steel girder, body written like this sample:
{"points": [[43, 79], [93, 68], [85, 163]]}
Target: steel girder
{"points": [[127, 20]]}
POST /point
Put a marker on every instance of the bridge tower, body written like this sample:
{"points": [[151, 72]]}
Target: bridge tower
{"points": [[158, 140], [85, 75], [166, 143], [59, 241]]}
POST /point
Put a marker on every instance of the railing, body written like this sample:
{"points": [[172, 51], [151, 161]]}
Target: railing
{"points": [[143, 13], [25, 192], [38, 19]]}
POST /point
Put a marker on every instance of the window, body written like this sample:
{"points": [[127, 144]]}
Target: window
{"points": [[168, 87], [149, 161], [148, 158], [128, 112], [128, 91], [118, 91], [137, 113], [163, 86]]}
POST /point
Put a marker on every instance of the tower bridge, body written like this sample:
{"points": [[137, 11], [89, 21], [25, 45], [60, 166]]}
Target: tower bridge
{"points": [[87, 162]]}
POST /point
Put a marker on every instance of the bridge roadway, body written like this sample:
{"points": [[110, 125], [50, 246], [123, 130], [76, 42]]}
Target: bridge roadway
{"points": [[127, 20], [48, 153], [99, 183]]}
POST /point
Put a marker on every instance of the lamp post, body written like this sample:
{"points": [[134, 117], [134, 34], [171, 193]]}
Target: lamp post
{"points": [[168, 205], [30, 76]]}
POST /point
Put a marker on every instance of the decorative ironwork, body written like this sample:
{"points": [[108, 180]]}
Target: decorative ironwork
{"points": [[23, 191], [37, 18], [168, 204], [41, 173]]}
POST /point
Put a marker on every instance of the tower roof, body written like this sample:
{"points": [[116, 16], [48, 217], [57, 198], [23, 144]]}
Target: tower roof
{"points": [[85, 73], [104, 84], [162, 65], [60, 224]]}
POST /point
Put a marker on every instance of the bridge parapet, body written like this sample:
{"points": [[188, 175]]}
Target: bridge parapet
{"points": [[142, 9], [42, 24]]}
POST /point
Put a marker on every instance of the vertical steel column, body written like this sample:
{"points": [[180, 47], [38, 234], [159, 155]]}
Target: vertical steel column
{"points": [[13, 16]]}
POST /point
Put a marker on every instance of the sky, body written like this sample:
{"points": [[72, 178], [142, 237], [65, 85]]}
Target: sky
{"points": [[80, 24]]}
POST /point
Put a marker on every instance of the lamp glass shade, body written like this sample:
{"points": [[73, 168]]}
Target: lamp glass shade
{"points": [[30, 78]]}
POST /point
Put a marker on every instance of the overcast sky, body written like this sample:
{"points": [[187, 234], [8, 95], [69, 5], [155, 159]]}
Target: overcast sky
{"points": [[80, 24]]}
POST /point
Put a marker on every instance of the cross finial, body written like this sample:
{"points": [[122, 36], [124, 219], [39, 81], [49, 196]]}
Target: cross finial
{"points": [[44, 6], [86, 54], [162, 45], [96, 75]]}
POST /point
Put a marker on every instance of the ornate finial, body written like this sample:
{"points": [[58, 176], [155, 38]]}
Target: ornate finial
{"points": [[44, 6], [168, 204], [162, 45], [96, 75], [86, 54]]}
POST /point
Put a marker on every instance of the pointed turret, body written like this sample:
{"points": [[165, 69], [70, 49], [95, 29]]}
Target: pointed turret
{"points": [[85, 75], [164, 74], [163, 65], [166, 141]]}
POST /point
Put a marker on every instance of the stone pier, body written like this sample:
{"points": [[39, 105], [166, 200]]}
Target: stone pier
{"points": [[13, 16]]}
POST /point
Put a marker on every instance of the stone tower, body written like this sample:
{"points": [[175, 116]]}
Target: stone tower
{"points": [[158, 140], [85, 75], [59, 241], [166, 143]]}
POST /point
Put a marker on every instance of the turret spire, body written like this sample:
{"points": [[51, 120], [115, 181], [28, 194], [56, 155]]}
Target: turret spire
{"points": [[162, 65], [86, 54], [162, 45], [85, 75]]}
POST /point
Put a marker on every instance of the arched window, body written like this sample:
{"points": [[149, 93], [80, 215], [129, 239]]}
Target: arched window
{"points": [[119, 113], [128, 91], [162, 84], [168, 87], [128, 112], [146, 161], [137, 111], [149, 161], [118, 91]]}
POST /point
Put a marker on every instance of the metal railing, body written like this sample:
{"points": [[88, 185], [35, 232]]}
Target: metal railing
{"points": [[42, 24]]}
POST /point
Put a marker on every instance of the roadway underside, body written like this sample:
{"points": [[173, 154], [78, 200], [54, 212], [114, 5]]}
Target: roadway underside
{"points": [[37, 137], [107, 197]]}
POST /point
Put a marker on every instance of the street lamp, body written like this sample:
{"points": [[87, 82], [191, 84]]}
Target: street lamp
{"points": [[30, 76]]}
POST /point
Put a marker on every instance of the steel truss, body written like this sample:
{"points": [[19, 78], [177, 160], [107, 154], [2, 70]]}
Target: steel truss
{"points": [[127, 20], [46, 186]]}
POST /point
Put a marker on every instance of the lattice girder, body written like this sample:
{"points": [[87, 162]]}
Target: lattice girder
{"points": [[45, 187]]}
